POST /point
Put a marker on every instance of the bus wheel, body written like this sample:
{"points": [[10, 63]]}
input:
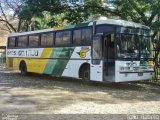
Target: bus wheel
{"points": [[23, 68], [85, 73]]}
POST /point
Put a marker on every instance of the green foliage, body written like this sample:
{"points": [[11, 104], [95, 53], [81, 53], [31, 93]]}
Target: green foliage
{"points": [[76, 14], [37, 7], [141, 11], [43, 13], [46, 21], [71, 13]]}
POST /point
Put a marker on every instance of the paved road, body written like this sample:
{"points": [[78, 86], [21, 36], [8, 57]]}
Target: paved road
{"points": [[42, 94]]}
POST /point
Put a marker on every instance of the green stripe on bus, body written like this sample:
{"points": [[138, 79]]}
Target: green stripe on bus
{"points": [[61, 64], [57, 66], [51, 63]]}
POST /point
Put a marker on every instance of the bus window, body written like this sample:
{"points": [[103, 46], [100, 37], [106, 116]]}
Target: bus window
{"points": [[86, 35], [97, 47], [22, 41], [66, 37], [12, 42], [47, 39], [33, 41], [77, 37], [104, 29], [59, 36], [63, 38]]}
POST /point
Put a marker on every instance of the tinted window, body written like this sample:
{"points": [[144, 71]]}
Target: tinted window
{"points": [[47, 39], [104, 29], [34, 41], [66, 37], [86, 35], [63, 38], [12, 42], [59, 36], [22, 41], [76, 36]]}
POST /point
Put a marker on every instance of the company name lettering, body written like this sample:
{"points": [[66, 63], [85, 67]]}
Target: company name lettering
{"points": [[11, 53], [23, 53]]}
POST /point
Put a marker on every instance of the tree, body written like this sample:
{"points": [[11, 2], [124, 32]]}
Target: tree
{"points": [[43, 14], [141, 11], [8, 15], [47, 21]]}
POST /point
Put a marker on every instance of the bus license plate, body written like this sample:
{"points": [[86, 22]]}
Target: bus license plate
{"points": [[140, 74]]}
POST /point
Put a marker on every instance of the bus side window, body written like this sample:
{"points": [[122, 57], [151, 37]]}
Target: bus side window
{"points": [[22, 41], [59, 38], [67, 37], [63, 38], [47, 39], [77, 37], [12, 42], [86, 35], [33, 40]]}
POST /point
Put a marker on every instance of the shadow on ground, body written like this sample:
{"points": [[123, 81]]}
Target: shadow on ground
{"points": [[36, 92]]}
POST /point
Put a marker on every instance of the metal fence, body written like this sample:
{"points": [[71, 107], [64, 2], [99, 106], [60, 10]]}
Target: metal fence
{"points": [[2, 57]]}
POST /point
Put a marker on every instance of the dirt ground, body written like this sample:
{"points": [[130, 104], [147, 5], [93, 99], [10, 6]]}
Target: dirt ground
{"points": [[39, 94]]}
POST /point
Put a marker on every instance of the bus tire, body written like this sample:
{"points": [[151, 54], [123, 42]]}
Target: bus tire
{"points": [[85, 72], [23, 68]]}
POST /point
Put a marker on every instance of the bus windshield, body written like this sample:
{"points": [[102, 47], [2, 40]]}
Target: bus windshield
{"points": [[146, 50], [133, 46]]}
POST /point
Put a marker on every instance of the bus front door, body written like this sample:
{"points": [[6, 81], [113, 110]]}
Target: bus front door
{"points": [[96, 66], [108, 58]]}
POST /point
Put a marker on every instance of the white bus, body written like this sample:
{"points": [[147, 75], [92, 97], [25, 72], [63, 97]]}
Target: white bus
{"points": [[103, 50]]}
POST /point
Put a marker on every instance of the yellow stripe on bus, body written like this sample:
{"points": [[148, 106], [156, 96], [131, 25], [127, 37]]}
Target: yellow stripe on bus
{"points": [[45, 54], [36, 65]]}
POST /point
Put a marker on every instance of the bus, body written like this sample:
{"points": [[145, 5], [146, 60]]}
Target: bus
{"points": [[101, 50]]}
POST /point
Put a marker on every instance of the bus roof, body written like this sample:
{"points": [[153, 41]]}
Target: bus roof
{"points": [[31, 32], [98, 22], [111, 22], [121, 23]]}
